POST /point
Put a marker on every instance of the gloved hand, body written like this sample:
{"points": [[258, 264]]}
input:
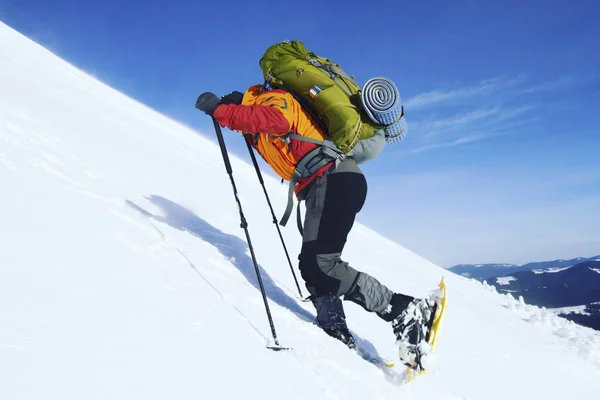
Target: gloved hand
{"points": [[208, 103], [234, 97]]}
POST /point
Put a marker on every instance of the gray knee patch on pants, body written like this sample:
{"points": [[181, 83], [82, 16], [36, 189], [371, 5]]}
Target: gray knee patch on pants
{"points": [[333, 266], [369, 293]]}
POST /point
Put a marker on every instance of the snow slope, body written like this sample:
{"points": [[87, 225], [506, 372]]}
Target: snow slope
{"points": [[124, 273]]}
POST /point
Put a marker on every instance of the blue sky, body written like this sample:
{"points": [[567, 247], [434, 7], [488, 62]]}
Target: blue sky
{"points": [[500, 163]]}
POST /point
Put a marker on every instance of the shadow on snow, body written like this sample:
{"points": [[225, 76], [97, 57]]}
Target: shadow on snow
{"points": [[236, 250]]}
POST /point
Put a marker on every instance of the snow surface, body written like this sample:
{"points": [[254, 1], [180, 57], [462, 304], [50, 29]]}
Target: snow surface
{"points": [[570, 310], [124, 273], [596, 270], [550, 270], [495, 265], [505, 280]]}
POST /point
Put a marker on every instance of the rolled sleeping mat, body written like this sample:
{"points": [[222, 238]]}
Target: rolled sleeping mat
{"points": [[381, 101]]}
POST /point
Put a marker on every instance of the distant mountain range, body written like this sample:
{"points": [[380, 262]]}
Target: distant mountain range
{"points": [[554, 287], [570, 288], [574, 292], [482, 272]]}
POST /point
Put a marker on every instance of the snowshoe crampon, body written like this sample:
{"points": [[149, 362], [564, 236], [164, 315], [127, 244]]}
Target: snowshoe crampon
{"points": [[412, 355]]}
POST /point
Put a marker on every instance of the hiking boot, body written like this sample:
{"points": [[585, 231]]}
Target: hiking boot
{"points": [[411, 328], [397, 305]]}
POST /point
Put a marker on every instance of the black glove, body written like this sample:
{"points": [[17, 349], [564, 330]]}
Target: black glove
{"points": [[234, 97], [208, 103]]}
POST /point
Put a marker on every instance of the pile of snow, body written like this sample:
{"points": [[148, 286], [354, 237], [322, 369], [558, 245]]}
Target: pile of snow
{"points": [[586, 344], [505, 280], [124, 272], [570, 310]]}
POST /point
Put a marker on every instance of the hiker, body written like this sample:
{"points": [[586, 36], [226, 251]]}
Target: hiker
{"points": [[334, 194]]}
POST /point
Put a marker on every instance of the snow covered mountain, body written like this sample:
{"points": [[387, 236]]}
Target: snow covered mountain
{"points": [[485, 271], [124, 273], [558, 288], [586, 315]]}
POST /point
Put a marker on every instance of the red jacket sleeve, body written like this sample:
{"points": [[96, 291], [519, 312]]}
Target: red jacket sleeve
{"points": [[254, 118]]}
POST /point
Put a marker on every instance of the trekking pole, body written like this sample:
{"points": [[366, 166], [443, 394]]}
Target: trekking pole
{"points": [[244, 225], [262, 183]]}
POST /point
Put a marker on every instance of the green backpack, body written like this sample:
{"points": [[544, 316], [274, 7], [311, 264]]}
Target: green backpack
{"points": [[322, 88]]}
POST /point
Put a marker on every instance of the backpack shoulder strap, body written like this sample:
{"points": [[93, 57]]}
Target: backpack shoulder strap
{"points": [[299, 220], [313, 161]]}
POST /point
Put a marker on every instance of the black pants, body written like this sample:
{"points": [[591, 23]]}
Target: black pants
{"points": [[332, 203], [338, 198]]}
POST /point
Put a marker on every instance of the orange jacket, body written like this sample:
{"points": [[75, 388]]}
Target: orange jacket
{"points": [[265, 117]]}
